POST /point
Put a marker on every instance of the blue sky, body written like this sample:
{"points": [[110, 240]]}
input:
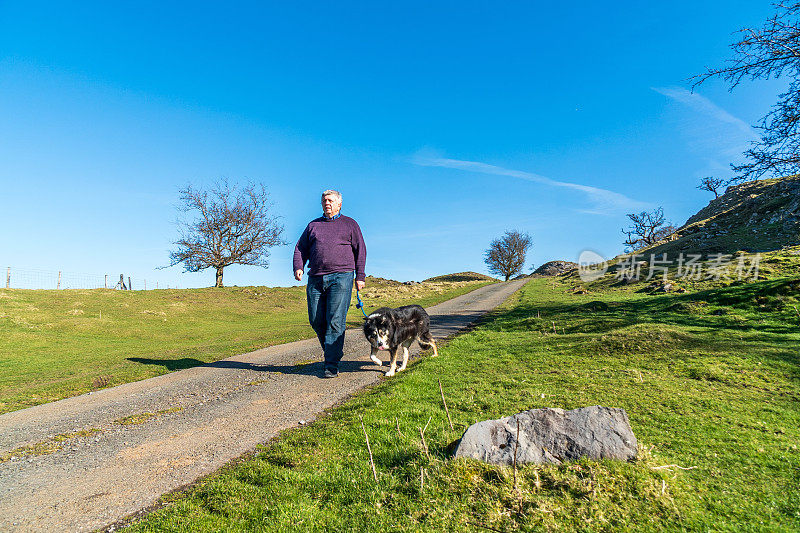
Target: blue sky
{"points": [[443, 124]]}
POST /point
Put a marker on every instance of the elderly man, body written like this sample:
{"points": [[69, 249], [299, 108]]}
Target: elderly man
{"points": [[334, 248]]}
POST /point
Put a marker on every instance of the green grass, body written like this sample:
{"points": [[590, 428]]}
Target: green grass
{"points": [[55, 344], [717, 394]]}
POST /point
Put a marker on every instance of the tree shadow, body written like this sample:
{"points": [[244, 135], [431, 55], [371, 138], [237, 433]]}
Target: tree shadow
{"points": [[168, 364], [770, 334], [668, 309], [457, 323]]}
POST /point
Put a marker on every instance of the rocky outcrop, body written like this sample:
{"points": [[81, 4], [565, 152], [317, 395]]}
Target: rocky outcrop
{"points": [[551, 436], [555, 268], [762, 199], [756, 216]]}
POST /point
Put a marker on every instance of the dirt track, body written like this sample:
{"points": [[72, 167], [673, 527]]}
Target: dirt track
{"points": [[203, 417]]}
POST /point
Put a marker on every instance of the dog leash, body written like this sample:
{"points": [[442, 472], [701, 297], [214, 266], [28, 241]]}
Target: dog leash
{"points": [[360, 304]]}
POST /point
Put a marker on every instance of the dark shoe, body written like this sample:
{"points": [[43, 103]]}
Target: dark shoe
{"points": [[330, 373]]}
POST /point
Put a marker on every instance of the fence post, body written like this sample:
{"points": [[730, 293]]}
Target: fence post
{"points": [[8, 278], [145, 284], [105, 282], [130, 286], [58, 286]]}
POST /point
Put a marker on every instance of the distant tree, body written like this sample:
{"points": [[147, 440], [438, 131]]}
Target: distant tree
{"points": [[711, 184], [768, 52], [647, 228], [506, 255], [228, 226]]}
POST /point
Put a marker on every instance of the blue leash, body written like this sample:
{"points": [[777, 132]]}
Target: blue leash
{"points": [[360, 304]]}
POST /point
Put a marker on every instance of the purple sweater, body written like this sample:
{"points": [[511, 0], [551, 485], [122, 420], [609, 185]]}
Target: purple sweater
{"points": [[331, 245]]}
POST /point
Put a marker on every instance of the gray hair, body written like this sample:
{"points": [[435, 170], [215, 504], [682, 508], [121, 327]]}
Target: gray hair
{"points": [[331, 192]]}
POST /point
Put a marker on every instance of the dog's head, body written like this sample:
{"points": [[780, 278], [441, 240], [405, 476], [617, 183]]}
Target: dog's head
{"points": [[376, 329]]}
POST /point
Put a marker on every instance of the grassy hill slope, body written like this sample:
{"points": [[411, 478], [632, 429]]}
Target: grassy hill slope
{"points": [[755, 216], [712, 398]]}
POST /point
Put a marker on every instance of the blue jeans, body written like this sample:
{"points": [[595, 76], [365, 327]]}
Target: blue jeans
{"points": [[328, 300]]}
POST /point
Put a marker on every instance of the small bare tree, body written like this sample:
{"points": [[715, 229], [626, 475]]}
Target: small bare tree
{"points": [[506, 255], [647, 228], [772, 51], [711, 184], [228, 226]]}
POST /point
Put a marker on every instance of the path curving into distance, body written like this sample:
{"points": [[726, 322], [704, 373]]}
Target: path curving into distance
{"points": [[149, 437]]}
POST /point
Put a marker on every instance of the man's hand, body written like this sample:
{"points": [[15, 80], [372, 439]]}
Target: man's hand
{"points": [[298, 275], [360, 285]]}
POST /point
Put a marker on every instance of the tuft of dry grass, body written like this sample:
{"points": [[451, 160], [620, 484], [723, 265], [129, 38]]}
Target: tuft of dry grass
{"points": [[101, 382], [46, 447], [141, 418]]}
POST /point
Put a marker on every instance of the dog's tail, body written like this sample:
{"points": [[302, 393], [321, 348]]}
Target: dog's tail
{"points": [[426, 342]]}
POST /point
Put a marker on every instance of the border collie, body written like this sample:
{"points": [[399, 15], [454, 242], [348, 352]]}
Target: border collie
{"points": [[392, 329]]}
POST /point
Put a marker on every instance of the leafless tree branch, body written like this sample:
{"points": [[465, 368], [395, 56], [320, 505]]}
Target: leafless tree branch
{"points": [[225, 225], [772, 51], [712, 184], [647, 228]]}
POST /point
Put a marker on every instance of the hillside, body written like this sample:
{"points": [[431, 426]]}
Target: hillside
{"points": [[460, 276], [756, 216]]}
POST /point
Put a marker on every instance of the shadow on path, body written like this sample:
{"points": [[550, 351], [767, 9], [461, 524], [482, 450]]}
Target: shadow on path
{"points": [[456, 320], [443, 326], [302, 369]]}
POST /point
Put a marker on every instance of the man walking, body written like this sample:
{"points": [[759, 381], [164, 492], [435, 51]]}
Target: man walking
{"points": [[334, 248]]}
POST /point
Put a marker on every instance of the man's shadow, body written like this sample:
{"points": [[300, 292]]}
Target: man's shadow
{"points": [[315, 368]]}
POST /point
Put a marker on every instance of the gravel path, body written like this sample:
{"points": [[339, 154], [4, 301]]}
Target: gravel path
{"points": [[153, 436]]}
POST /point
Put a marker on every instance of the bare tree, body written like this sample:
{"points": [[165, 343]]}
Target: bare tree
{"points": [[711, 184], [768, 52], [665, 231], [229, 226], [647, 228], [506, 255]]}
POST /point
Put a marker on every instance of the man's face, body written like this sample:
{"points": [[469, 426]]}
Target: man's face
{"points": [[331, 205]]}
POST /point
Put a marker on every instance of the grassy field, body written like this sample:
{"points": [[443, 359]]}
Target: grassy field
{"points": [[55, 344], [712, 397]]}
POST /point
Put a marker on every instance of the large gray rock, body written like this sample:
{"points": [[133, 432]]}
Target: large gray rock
{"points": [[552, 436]]}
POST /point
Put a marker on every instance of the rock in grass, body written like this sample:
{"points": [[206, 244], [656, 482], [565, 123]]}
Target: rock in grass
{"points": [[551, 436]]}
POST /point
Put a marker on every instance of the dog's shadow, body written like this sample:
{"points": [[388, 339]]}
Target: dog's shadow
{"points": [[315, 368]]}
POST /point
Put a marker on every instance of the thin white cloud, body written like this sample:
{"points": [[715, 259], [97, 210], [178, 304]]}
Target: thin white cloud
{"points": [[718, 137], [604, 202], [703, 105]]}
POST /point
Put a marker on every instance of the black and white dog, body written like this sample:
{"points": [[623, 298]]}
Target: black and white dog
{"points": [[392, 329]]}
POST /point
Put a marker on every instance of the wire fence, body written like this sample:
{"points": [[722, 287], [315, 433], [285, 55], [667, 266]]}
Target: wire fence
{"points": [[26, 278]]}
